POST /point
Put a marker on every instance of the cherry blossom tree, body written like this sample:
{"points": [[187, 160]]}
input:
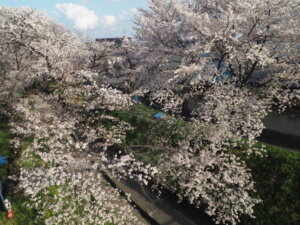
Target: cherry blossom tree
{"points": [[33, 49], [182, 49], [27, 35], [62, 161], [114, 63], [68, 150], [239, 57]]}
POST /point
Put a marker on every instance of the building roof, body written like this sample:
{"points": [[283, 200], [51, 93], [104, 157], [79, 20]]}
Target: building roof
{"points": [[116, 40]]}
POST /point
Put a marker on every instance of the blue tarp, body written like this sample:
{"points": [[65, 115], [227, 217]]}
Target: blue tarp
{"points": [[159, 116], [224, 72], [3, 160]]}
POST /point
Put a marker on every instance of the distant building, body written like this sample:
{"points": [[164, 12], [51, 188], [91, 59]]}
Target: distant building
{"points": [[117, 41]]}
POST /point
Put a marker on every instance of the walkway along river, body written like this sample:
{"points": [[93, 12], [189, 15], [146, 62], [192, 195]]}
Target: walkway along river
{"points": [[164, 210]]}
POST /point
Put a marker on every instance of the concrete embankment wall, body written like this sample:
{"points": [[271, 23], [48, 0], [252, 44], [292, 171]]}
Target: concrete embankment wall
{"points": [[282, 130], [287, 123]]}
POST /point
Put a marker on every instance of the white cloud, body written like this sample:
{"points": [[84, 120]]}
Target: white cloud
{"points": [[83, 18], [109, 20]]}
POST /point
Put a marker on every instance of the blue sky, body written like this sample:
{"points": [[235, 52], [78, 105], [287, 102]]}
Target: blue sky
{"points": [[93, 18]]}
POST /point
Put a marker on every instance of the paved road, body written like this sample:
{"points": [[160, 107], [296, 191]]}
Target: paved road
{"points": [[164, 210], [280, 139]]}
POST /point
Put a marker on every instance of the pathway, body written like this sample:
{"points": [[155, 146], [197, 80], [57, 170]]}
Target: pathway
{"points": [[160, 211]]}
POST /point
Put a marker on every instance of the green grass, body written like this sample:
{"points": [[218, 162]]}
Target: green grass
{"points": [[22, 214], [148, 130], [32, 160], [149, 135], [141, 118], [4, 146], [277, 181]]}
